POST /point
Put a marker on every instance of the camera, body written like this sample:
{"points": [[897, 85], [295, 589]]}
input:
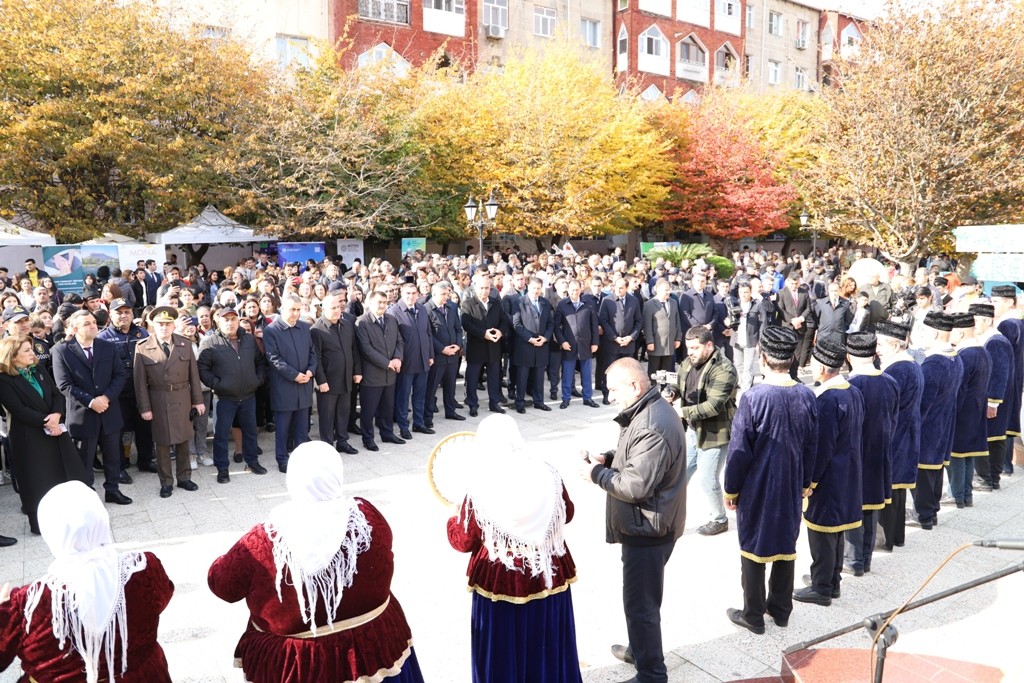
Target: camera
{"points": [[668, 384]]}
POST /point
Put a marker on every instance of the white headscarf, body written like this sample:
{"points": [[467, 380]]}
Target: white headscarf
{"points": [[517, 499], [86, 578], [319, 533]]}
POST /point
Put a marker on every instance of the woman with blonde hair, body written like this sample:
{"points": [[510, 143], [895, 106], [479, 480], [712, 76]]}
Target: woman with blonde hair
{"points": [[43, 453]]}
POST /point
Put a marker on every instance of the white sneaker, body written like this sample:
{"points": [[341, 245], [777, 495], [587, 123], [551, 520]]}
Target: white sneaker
{"points": [[192, 461], [206, 461], [4, 478]]}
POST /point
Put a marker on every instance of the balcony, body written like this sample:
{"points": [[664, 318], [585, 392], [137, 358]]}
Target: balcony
{"points": [[692, 71], [390, 11], [728, 76], [444, 22]]}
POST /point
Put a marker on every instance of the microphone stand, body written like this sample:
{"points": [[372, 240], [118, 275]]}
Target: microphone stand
{"points": [[889, 636]]}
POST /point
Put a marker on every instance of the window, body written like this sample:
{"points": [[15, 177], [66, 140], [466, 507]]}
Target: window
{"points": [[802, 31], [623, 5], [653, 43], [544, 21], [591, 32], [393, 11], [724, 59], [774, 72], [214, 33], [801, 80], [454, 6], [726, 7], [775, 23], [692, 53], [750, 16], [747, 62], [623, 43], [292, 51], [496, 13]]}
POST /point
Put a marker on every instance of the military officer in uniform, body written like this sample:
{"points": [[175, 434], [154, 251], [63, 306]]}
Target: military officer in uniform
{"points": [[168, 388]]}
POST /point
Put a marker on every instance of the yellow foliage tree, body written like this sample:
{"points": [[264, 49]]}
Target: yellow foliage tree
{"points": [[551, 137]]}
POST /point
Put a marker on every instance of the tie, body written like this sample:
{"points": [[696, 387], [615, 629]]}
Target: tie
{"points": [[536, 306], [88, 355], [380, 321], [167, 350], [577, 305], [412, 311], [444, 313]]}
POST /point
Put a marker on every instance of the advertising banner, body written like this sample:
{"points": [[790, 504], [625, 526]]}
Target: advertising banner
{"points": [[290, 252], [350, 250], [411, 244], [647, 246], [64, 264], [130, 254]]}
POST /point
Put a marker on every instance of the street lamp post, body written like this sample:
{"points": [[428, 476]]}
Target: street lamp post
{"points": [[804, 219], [486, 218]]}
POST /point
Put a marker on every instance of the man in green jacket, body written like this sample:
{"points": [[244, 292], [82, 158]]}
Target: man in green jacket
{"points": [[706, 404]]}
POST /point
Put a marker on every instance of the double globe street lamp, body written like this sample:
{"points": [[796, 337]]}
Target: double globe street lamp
{"points": [[486, 217]]}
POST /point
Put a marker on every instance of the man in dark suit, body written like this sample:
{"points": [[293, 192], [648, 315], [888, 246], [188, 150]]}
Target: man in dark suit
{"points": [[289, 349], [417, 358], [484, 323], [662, 329], [151, 280], [697, 305], [509, 306], [795, 310], [91, 375], [834, 315], [534, 323], [446, 329], [338, 367], [380, 347], [576, 334], [620, 321]]}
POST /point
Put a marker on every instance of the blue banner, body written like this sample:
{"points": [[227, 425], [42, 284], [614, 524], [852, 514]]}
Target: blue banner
{"points": [[290, 252]]}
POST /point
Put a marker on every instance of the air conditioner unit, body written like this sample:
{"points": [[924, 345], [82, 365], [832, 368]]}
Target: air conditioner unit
{"points": [[496, 32], [801, 43]]}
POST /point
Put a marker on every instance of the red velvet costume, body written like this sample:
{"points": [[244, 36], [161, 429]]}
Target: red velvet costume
{"points": [[492, 579], [146, 596], [376, 649]]}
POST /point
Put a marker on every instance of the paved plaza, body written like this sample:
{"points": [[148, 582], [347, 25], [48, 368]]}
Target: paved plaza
{"points": [[198, 631]]}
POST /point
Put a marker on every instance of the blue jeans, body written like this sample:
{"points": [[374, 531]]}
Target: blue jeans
{"points": [[860, 542], [406, 385], [961, 474], [711, 463], [292, 425], [226, 410], [569, 377]]}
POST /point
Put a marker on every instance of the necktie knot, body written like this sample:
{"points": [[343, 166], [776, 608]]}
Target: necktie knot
{"points": [[167, 349]]}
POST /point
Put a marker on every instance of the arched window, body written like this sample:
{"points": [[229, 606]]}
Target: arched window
{"points": [[653, 43]]}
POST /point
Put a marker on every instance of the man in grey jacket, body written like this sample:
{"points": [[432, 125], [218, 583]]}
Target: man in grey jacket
{"points": [[645, 478]]}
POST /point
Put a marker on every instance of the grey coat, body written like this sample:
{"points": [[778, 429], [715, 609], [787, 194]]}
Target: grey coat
{"points": [[661, 326]]}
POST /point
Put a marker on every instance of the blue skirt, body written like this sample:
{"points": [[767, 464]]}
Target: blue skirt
{"points": [[410, 672], [534, 642]]}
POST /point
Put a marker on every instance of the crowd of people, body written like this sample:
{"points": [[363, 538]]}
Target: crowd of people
{"points": [[935, 378]]}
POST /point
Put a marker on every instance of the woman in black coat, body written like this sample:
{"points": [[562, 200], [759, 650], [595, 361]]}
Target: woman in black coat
{"points": [[43, 454]]}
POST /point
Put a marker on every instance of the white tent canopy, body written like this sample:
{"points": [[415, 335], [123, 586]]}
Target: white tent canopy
{"points": [[209, 227], [11, 234], [111, 238]]}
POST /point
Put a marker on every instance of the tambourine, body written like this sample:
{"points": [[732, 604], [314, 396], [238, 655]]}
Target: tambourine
{"points": [[450, 465]]}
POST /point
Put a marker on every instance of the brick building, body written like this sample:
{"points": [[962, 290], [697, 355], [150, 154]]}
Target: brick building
{"points": [[841, 35]]}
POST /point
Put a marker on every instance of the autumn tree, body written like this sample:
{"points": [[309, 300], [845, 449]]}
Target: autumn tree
{"points": [[923, 131], [726, 183], [337, 156], [550, 136], [111, 121]]}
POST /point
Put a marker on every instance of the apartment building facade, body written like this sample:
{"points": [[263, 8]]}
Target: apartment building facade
{"points": [[781, 45], [841, 36]]}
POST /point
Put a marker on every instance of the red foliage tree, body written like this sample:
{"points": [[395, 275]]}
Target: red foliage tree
{"points": [[725, 184]]}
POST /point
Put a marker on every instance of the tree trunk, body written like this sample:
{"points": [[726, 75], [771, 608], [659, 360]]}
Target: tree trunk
{"points": [[539, 241], [194, 253], [444, 248]]}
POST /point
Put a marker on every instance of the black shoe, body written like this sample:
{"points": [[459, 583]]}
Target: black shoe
{"points": [[473, 412], [847, 569], [188, 485], [576, 394], [553, 395], [622, 653], [423, 430], [97, 465], [504, 403], [497, 409], [166, 490], [812, 596], [455, 416], [405, 434], [259, 451], [271, 427], [590, 404], [255, 467], [564, 404], [282, 467], [346, 447], [117, 497], [781, 623], [459, 405], [6, 541], [606, 401], [223, 477], [521, 410], [371, 445], [125, 478], [353, 429], [806, 578], [238, 457], [542, 406], [736, 617], [147, 467], [392, 439]]}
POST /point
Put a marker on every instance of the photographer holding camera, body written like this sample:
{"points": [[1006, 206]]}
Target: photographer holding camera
{"points": [[707, 403]]}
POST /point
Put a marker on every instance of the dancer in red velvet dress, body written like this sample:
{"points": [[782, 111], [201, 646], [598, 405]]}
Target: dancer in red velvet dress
{"points": [[523, 628], [343, 624], [93, 607]]}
